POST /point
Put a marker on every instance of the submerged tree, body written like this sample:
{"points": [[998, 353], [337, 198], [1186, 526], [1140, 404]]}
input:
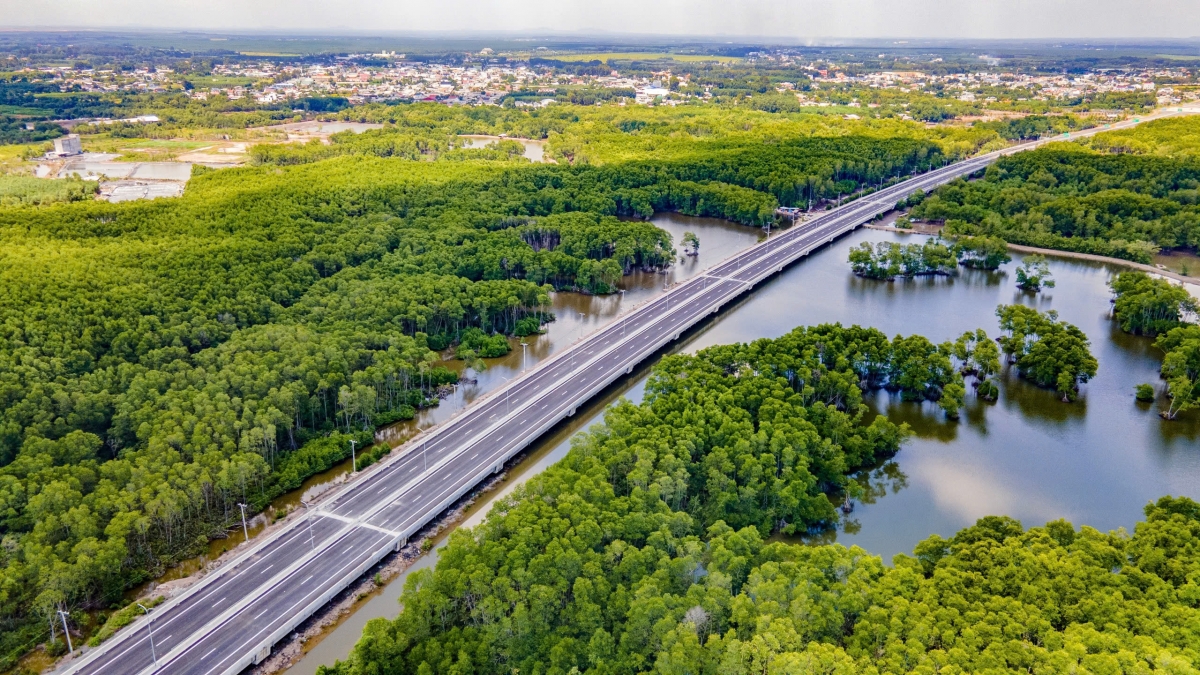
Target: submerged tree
{"points": [[985, 253], [979, 356], [888, 260], [1181, 368], [1048, 352], [691, 243], [1034, 274], [1148, 306]]}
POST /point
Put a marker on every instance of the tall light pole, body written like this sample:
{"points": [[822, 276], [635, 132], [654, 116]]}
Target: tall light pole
{"points": [[63, 615], [150, 629], [581, 315], [245, 531], [353, 457], [524, 356], [308, 518]]}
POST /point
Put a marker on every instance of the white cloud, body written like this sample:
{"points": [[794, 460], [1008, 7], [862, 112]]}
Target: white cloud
{"points": [[974, 491], [794, 19]]}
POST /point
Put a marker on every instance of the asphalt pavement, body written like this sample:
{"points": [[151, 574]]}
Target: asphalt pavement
{"points": [[231, 618]]}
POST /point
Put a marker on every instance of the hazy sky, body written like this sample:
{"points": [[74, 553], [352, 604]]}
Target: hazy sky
{"points": [[796, 19]]}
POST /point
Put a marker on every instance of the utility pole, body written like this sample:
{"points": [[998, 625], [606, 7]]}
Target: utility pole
{"points": [[66, 631], [353, 457], [150, 629], [308, 519], [245, 532]]}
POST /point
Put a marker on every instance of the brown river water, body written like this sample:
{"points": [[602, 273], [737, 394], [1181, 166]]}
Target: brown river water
{"points": [[1097, 461]]}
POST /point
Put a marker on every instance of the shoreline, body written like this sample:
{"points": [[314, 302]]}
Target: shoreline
{"points": [[1053, 252]]}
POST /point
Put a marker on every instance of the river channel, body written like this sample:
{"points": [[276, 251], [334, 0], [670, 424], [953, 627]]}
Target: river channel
{"points": [[1097, 461]]}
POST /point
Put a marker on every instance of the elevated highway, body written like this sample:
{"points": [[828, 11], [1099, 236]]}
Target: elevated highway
{"points": [[231, 618]]}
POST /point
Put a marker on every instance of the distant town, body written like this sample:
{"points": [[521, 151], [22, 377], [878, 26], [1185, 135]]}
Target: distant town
{"points": [[488, 81]]}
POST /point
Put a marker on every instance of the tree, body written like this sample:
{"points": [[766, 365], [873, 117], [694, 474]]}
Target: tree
{"points": [[1181, 368], [1049, 352], [691, 243], [986, 253], [978, 355], [888, 260], [1148, 306], [1034, 274]]}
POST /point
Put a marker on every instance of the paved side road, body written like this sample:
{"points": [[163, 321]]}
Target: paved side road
{"points": [[231, 619]]}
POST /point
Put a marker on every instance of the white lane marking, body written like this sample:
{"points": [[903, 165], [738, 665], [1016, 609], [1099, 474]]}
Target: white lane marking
{"points": [[814, 225], [218, 602], [208, 653], [268, 567], [286, 612]]}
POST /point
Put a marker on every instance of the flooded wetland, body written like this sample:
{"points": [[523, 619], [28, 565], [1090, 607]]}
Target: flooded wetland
{"points": [[1095, 462]]}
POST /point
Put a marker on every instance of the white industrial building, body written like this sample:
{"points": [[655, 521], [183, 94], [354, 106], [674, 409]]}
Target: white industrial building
{"points": [[66, 146]]}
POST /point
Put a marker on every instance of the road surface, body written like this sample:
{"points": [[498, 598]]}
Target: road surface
{"points": [[232, 617]]}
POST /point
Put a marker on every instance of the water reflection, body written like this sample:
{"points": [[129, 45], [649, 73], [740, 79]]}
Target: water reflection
{"points": [[1030, 456], [577, 315], [1096, 461]]}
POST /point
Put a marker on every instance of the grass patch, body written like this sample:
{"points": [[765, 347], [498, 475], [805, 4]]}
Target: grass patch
{"points": [[17, 190], [121, 618], [19, 110]]}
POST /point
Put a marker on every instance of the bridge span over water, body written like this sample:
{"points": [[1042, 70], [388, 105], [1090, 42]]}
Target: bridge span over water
{"points": [[231, 618]]}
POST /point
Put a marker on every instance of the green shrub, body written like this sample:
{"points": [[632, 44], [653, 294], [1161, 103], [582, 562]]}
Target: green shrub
{"points": [[121, 618]]}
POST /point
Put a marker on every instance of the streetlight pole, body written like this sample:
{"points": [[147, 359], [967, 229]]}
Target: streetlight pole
{"points": [[150, 629], [353, 457], [308, 519], [581, 315], [63, 615], [524, 357], [245, 531], [507, 391]]}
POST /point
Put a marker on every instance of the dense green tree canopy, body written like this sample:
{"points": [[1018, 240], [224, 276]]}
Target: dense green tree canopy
{"points": [[1148, 306], [1064, 197], [888, 260], [1181, 367], [162, 361], [1047, 351], [644, 550]]}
